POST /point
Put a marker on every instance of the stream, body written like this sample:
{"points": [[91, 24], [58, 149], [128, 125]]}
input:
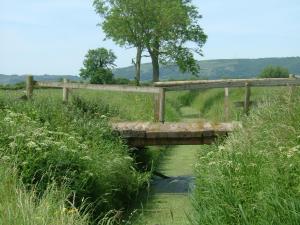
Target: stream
{"points": [[169, 202]]}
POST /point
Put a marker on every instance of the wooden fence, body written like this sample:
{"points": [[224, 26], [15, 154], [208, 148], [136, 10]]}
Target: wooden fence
{"points": [[226, 84], [66, 87], [160, 88]]}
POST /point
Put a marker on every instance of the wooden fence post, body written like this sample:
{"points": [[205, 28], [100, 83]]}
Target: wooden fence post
{"points": [[226, 104], [29, 87], [247, 98], [291, 87], [162, 94], [156, 107], [65, 91]]}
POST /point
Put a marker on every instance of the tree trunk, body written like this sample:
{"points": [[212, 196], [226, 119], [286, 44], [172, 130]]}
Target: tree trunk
{"points": [[154, 53], [138, 65], [155, 65]]}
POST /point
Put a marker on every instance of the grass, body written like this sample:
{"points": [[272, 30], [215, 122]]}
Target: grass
{"points": [[20, 206], [131, 106], [210, 103], [253, 178], [71, 145]]}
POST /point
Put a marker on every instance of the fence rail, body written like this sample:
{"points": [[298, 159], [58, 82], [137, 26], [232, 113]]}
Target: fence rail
{"points": [[121, 88], [228, 83], [160, 88]]}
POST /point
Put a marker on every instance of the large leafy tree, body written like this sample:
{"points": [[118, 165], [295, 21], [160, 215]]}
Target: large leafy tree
{"points": [[97, 66], [274, 72], [121, 25], [162, 27]]}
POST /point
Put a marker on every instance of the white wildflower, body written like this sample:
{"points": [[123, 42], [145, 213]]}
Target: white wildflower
{"points": [[13, 145], [31, 144], [221, 147], [86, 158]]}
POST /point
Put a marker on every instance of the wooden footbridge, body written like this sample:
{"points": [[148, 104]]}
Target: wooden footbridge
{"points": [[159, 132], [140, 134]]}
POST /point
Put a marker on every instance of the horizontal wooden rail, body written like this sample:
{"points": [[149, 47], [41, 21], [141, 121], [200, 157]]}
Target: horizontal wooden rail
{"points": [[228, 83], [121, 88]]}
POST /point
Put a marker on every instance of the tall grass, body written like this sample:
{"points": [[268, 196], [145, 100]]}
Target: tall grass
{"points": [[71, 145], [254, 177], [20, 206]]}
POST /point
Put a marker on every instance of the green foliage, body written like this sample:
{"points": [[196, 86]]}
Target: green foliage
{"points": [[274, 72], [17, 86], [162, 27], [187, 98], [72, 146], [92, 108], [98, 64], [122, 81], [254, 177]]}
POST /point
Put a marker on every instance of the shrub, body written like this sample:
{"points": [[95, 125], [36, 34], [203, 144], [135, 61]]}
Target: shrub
{"points": [[274, 72], [94, 108]]}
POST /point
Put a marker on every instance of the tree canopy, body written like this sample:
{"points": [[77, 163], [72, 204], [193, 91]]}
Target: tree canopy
{"points": [[98, 64], [274, 72], [165, 28]]}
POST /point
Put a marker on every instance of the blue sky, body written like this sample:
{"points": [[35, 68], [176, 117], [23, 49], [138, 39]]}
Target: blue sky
{"points": [[52, 36]]}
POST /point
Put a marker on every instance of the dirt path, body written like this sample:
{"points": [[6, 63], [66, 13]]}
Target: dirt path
{"points": [[169, 199]]}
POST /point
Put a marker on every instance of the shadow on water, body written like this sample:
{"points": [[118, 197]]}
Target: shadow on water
{"points": [[173, 185]]}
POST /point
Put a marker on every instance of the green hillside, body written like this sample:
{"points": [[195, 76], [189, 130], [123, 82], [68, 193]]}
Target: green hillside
{"points": [[210, 69], [13, 79], [216, 69]]}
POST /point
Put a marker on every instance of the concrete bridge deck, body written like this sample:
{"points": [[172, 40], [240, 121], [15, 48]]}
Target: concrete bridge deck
{"points": [[140, 134]]}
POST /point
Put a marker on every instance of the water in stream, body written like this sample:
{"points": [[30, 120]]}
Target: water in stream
{"points": [[168, 202]]}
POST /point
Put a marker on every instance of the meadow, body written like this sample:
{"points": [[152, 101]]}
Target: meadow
{"points": [[69, 167]]}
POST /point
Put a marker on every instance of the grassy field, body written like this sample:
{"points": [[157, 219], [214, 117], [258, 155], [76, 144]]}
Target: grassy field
{"points": [[66, 160]]}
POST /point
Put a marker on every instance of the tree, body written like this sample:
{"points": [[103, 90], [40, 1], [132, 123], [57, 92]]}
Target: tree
{"points": [[274, 72], [98, 64], [162, 27], [121, 26]]}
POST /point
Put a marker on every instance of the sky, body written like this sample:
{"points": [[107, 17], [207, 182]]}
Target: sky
{"points": [[53, 36]]}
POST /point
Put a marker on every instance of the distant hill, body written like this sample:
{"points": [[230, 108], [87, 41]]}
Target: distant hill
{"points": [[216, 69], [210, 69], [13, 79]]}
